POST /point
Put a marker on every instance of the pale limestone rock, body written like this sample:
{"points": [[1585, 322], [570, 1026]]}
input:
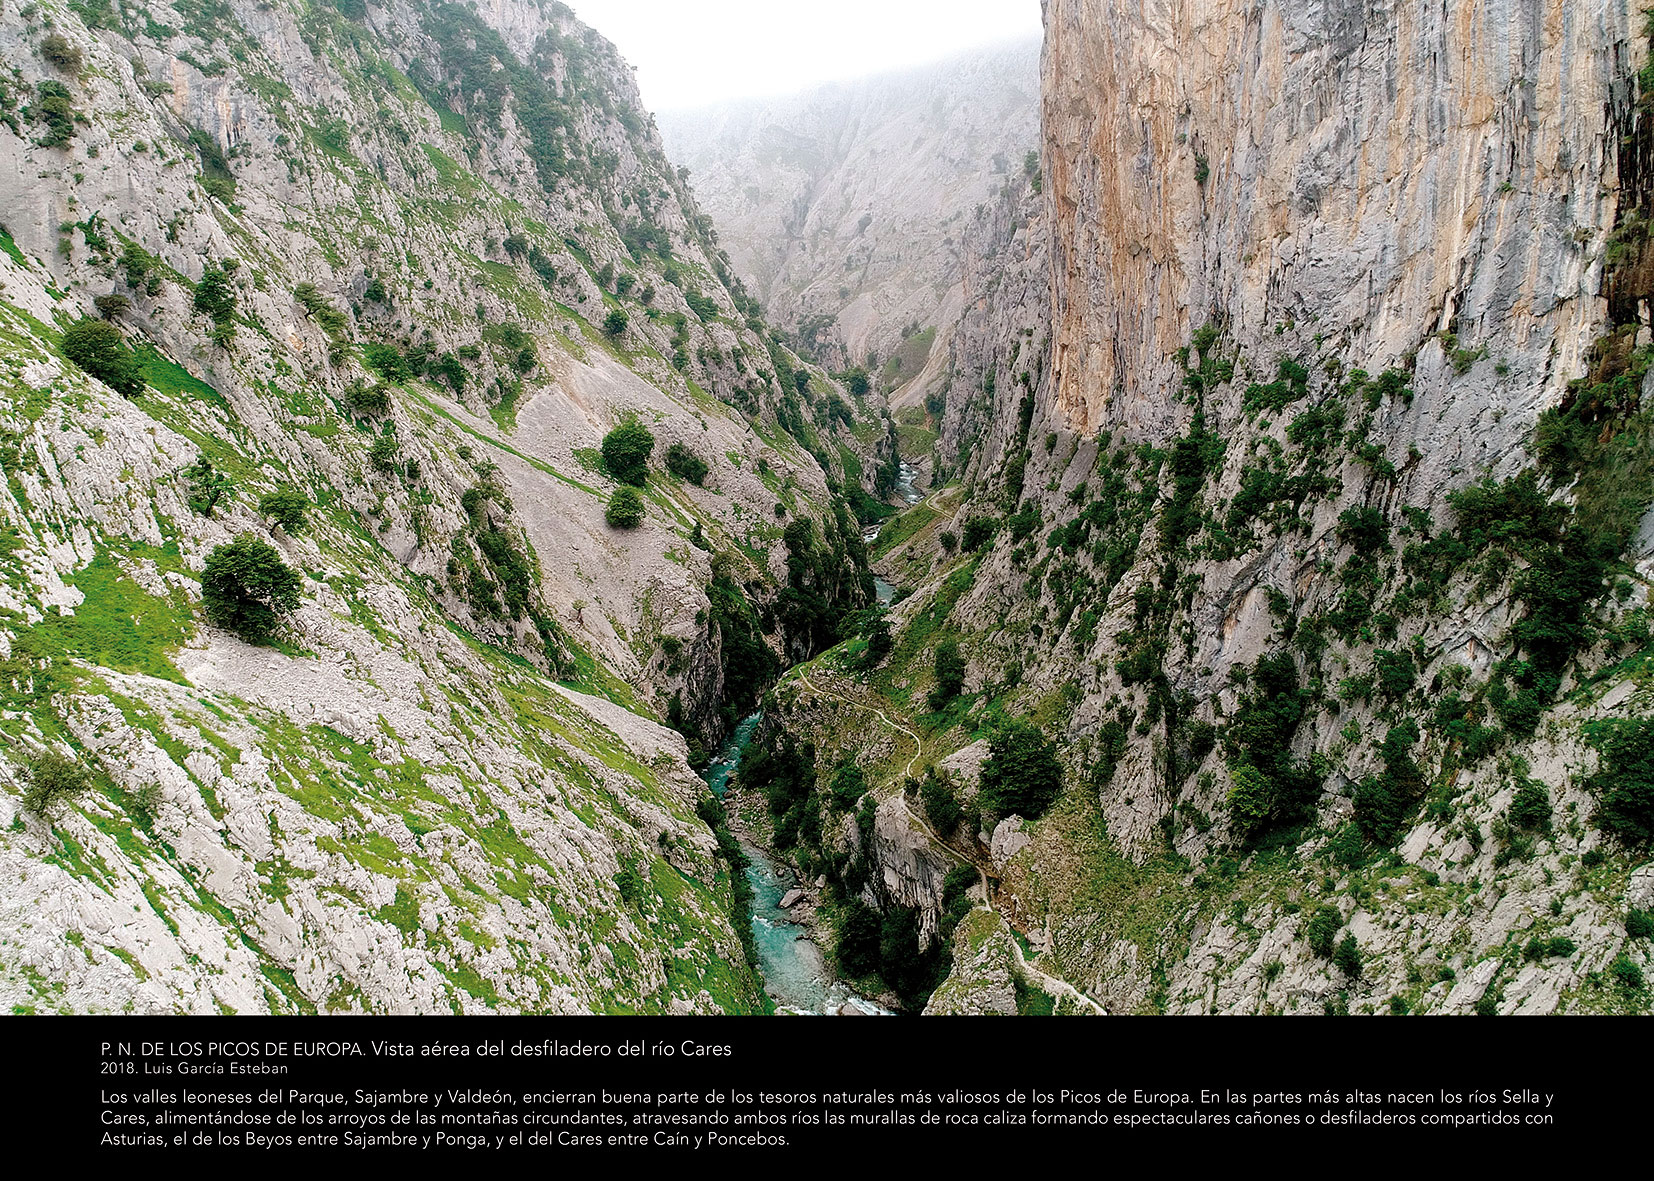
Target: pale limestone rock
{"points": [[965, 764], [1342, 180], [1008, 840], [909, 870], [375, 827], [1639, 891], [984, 968]]}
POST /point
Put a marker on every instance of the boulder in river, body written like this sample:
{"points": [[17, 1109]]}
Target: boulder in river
{"points": [[790, 898], [810, 960]]}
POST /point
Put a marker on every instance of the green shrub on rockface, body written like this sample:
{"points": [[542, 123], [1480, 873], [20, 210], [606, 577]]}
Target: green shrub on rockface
{"points": [[62, 54], [366, 400], [626, 451], [1627, 973], [857, 943], [55, 108], [1321, 932], [50, 777], [1539, 949], [99, 349], [1251, 798], [205, 485], [625, 509], [846, 787], [978, 530], [1347, 957], [950, 675], [1531, 807], [247, 588], [685, 464], [872, 626], [1625, 780], [1385, 802], [286, 507], [940, 801], [384, 455], [215, 293], [1396, 673], [1268, 786]]}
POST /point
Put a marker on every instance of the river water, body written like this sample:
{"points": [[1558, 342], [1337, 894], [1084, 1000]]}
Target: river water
{"points": [[795, 973], [904, 484], [905, 489]]}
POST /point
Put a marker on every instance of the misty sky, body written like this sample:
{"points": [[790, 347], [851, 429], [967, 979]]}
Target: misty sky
{"points": [[689, 53]]}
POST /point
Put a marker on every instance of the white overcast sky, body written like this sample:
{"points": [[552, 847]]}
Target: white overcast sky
{"points": [[689, 53]]}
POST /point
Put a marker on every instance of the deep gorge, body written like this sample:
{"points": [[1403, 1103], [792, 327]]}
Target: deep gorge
{"points": [[1178, 542]]}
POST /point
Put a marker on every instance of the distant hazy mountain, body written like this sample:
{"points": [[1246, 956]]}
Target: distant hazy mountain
{"points": [[844, 207]]}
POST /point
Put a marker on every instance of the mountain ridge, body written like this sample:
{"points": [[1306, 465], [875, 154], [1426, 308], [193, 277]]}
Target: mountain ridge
{"points": [[843, 201]]}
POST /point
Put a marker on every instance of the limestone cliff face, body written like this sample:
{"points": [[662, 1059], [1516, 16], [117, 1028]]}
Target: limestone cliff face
{"points": [[1363, 171], [1004, 331]]}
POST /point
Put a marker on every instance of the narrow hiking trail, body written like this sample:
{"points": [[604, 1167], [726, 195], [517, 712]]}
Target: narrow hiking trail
{"points": [[918, 743], [1053, 984]]}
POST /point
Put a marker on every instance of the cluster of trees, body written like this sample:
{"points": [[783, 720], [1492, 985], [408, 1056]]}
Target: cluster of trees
{"points": [[950, 676], [1022, 774], [872, 626], [941, 801], [215, 295], [785, 771], [626, 451], [205, 485], [888, 944], [749, 664], [1321, 933], [828, 582], [286, 507], [51, 777], [685, 464], [1268, 786], [625, 510], [54, 107]]}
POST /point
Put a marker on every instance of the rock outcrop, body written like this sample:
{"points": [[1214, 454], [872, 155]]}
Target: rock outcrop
{"points": [[908, 870], [982, 982]]}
